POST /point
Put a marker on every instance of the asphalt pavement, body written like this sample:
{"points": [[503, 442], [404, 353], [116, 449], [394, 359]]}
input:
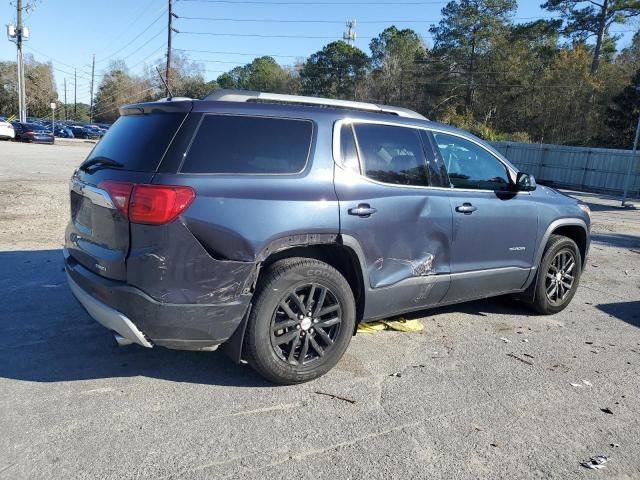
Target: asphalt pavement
{"points": [[487, 390]]}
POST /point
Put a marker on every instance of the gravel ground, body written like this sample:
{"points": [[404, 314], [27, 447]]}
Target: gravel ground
{"points": [[466, 405]]}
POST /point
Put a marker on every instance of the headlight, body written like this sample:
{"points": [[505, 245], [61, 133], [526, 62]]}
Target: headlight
{"points": [[585, 208]]}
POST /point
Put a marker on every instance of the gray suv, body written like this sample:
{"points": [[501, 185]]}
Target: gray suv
{"points": [[274, 224]]}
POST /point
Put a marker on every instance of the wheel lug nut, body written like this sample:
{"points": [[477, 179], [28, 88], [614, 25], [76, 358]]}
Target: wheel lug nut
{"points": [[297, 327], [300, 316], [311, 330], [315, 320]]}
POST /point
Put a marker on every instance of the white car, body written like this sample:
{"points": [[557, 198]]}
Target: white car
{"points": [[6, 130]]}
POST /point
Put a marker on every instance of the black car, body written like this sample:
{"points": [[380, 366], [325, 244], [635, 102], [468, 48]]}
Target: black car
{"points": [[274, 224], [32, 132]]}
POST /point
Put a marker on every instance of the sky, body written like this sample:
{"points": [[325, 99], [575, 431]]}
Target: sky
{"points": [[69, 32]]}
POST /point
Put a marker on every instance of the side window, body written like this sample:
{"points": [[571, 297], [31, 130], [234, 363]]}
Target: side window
{"points": [[348, 150], [235, 144], [392, 154], [469, 165]]}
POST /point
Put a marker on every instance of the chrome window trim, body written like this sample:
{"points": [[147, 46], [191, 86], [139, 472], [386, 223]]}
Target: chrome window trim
{"points": [[337, 154]]}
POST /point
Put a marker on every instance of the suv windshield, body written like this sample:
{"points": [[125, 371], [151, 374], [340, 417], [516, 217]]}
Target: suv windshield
{"points": [[138, 142]]}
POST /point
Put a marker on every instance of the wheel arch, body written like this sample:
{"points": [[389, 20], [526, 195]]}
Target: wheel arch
{"points": [[573, 228], [339, 256]]}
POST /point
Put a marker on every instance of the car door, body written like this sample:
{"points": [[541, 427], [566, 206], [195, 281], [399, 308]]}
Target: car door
{"points": [[494, 226], [400, 226]]}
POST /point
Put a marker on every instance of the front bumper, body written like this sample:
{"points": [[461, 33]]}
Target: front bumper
{"points": [[138, 317]]}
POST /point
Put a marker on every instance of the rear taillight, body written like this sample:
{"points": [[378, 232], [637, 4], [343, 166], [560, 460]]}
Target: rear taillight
{"points": [[149, 204], [120, 193], [158, 204]]}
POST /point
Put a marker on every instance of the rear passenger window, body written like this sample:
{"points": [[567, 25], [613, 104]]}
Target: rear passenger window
{"points": [[392, 154], [233, 144]]}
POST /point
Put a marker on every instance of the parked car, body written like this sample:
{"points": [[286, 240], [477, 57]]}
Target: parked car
{"points": [[6, 130], [32, 132], [80, 132], [274, 224], [63, 132], [94, 132]]}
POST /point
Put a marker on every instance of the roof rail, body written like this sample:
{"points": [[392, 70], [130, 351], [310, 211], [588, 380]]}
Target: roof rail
{"points": [[227, 95]]}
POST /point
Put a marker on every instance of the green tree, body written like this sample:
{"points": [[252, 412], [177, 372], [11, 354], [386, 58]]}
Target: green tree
{"points": [[394, 57], [262, 74], [335, 71], [40, 89], [623, 113], [118, 87], [465, 35], [592, 18], [39, 84]]}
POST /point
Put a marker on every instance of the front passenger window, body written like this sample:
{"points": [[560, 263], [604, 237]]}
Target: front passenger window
{"points": [[471, 166]]}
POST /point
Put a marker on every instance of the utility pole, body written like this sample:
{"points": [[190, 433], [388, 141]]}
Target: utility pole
{"points": [[169, 32], [21, 88], [631, 160], [93, 69], [75, 96], [18, 34], [65, 100]]}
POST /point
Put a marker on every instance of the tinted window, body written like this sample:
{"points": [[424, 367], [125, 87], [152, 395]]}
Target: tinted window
{"points": [[392, 154], [249, 145], [471, 166], [138, 141], [348, 149]]}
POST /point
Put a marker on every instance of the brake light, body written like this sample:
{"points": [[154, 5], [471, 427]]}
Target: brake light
{"points": [[120, 193], [158, 204], [149, 204]]}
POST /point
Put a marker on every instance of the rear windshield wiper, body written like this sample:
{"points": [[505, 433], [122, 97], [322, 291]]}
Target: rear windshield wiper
{"points": [[100, 161]]}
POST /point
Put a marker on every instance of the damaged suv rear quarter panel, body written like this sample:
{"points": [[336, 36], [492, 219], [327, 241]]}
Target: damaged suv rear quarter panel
{"points": [[210, 255]]}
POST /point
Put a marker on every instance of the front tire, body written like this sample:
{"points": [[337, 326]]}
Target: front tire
{"points": [[558, 275], [301, 323]]}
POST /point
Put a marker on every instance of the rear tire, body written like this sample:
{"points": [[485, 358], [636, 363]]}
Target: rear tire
{"points": [[558, 275], [301, 323]]}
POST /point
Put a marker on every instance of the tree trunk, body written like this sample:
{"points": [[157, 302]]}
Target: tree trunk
{"points": [[600, 38], [469, 97]]}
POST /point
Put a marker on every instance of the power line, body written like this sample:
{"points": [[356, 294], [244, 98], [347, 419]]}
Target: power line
{"points": [[254, 2], [108, 57], [334, 37], [277, 20], [217, 52], [260, 35]]}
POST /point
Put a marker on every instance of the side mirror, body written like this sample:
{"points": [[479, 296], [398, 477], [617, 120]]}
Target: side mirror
{"points": [[525, 182]]}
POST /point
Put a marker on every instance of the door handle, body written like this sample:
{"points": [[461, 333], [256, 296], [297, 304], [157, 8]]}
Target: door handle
{"points": [[362, 210], [466, 208]]}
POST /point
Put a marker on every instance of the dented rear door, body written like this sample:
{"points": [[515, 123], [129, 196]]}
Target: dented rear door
{"points": [[401, 225]]}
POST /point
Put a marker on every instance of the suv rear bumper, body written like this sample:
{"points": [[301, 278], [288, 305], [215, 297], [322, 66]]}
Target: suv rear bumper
{"points": [[107, 316], [138, 317]]}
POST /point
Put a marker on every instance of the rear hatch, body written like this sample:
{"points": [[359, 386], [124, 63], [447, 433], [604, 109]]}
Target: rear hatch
{"points": [[98, 234]]}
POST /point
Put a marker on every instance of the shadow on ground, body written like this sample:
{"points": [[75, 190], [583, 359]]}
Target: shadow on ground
{"points": [[617, 240], [626, 311], [599, 202], [46, 336]]}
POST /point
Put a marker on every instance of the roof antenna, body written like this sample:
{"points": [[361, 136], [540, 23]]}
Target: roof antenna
{"points": [[165, 84]]}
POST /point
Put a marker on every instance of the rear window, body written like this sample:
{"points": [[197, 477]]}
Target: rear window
{"points": [[233, 144], [138, 141]]}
